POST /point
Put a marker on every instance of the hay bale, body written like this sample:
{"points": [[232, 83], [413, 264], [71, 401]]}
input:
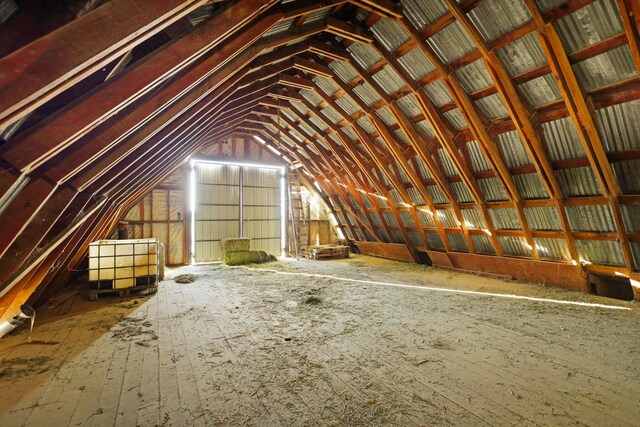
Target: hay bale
{"points": [[247, 257], [236, 244]]}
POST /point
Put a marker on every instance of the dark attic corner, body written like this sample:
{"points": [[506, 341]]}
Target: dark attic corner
{"points": [[292, 212]]}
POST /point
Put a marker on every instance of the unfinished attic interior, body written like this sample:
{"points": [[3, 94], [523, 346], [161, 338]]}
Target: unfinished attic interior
{"points": [[301, 213]]}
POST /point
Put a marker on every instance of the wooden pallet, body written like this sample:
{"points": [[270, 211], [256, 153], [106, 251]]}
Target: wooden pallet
{"points": [[151, 288], [327, 252]]}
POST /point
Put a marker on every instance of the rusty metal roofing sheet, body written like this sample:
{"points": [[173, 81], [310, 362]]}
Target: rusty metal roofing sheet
{"points": [[425, 128], [456, 118], [458, 242], [364, 54], [631, 217], [451, 43], [474, 77], [513, 150], [423, 12], [416, 64], [591, 218], [541, 90], [578, 182], [628, 176], [344, 71], [388, 80], [366, 94], [619, 126], [516, 246], [492, 106], [483, 244], [409, 105], [447, 165], [447, 218], [478, 160], [522, 55], [416, 197], [461, 192], [435, 242], [437, 195], [595, 22], [505, 219], [473, 218], [492, 190], [606, 68], [438, 93], [530, 186], [425, 219], [497, 17], [562, 140], [552, 249], [389, 33], [386, 116], [603, 252]]}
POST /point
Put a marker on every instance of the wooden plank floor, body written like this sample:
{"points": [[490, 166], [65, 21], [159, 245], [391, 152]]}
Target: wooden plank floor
{"points": [[254, 347]]}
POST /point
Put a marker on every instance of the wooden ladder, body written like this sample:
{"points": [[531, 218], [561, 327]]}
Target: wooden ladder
{"points": [[298, 239]]}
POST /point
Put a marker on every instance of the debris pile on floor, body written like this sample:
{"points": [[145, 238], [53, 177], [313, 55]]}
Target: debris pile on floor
{"points": [[19, 367], [186, 278]]}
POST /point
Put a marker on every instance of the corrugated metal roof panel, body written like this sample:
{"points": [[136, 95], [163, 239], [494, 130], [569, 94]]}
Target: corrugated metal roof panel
{"points": [[461, 192], [628, 176], [327, 85], [344, 71], [474, 77], [497, 17], [397, 237], [366, 124], [438, 93], [366, 93], [425, 129], [478, 160], [389, 33], [416, 197], [606, 68], [492, 106], [422, 168], [447, 218], [451, 43], [408, 104], [603, 252], [386, 116], [331, 114], [530, 186], [578, 182], [591, 218], [375, 218], [513, 150], [426, 219], [588, 25], [458, 242], [364, 54], [423, 12], [347, 104], [388, 80], [522, 55], [348, 130], [437, 195], [416, 64], [319, 123], [311, 96], [307, 129], [631, 218], [300, 107], [540, 90], [635, 250], [516, 246], [456, 118], [415, 238], [317, 15], [447, 165], [483, 244], [280, 27], [492, 190], [552, 249], [390, 218], [473, 218], [435, 242], [562, 140], [401, 137], [619, 126], [505, 219]]}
